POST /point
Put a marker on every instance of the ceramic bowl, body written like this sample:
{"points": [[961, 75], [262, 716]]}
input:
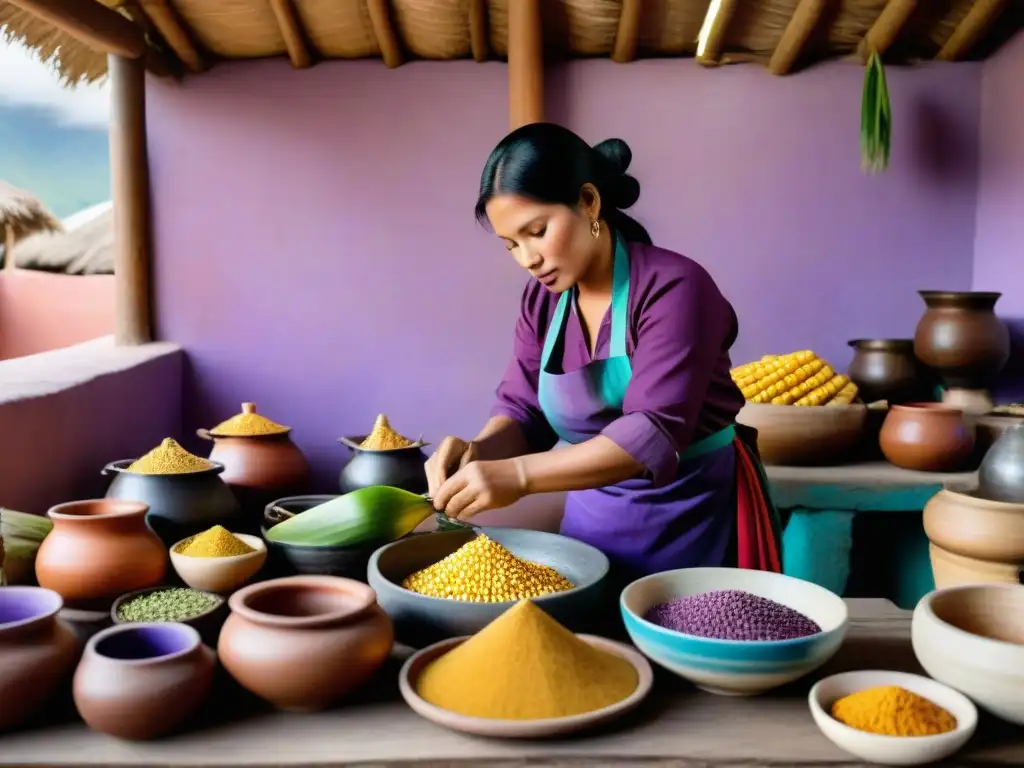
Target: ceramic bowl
{"points": [[521, 729], [220, 574], [794, 436], [421, 620], [347, 562], [892, 750], [206, 624], [972, 638], [731, 667]]}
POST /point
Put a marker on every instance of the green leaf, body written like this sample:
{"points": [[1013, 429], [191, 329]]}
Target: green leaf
{"points": [[875, 118]]}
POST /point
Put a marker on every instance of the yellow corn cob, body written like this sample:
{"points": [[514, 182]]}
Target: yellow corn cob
{"points": [[781, 382], [845, 396], [768, 363], [822, 394]]}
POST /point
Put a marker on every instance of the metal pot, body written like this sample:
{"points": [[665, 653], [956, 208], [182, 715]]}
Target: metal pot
{"points": [[179, 505], [399, 467], [1001, 475]]}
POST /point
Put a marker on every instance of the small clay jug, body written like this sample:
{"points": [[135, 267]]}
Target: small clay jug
{"points": [[886, 369], [304, 642], [259, 468], [960, 336], [1001, 475], [929, 437], [142, 681], [99, 549], [397, 467], [38, 652]]}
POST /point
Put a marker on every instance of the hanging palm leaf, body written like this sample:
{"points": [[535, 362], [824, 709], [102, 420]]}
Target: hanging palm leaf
{"points": [[875, 118]]}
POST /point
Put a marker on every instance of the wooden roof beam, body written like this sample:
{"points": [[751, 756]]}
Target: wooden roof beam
{"points": [[525, 63], [628, 31], [174, 33], [887, 28], [384, 31], [478, 29], [94, 24], [291, 31], [971, 29], [711, 40], [802, 24]]}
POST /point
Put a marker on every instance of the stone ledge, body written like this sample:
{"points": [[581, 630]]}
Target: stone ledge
{"points": [[48, 373]]}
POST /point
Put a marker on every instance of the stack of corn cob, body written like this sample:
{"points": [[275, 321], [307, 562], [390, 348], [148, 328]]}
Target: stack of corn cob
{"points": [[20, 537], [799, 378]]}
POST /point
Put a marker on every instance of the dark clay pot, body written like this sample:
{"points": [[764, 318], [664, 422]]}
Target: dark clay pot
{"points": [[399, 468], [886, 369], [960, 336], [179, 505], [927, 437], [1001, 475]]}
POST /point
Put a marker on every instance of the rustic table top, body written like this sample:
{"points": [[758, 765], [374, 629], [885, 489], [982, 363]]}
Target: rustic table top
{"points": [[678, 726]]}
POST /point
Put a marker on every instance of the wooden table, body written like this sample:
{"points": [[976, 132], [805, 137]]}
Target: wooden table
{"points": [[822, 502], [678, 727]]}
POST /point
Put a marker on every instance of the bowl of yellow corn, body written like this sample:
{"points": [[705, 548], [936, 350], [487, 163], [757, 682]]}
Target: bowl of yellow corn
{"points": [[447, 584], [803, 410]]}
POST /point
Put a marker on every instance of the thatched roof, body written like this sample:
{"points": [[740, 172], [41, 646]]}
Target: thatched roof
{"points": [[196, 33], [87, 249], [22, 214]]}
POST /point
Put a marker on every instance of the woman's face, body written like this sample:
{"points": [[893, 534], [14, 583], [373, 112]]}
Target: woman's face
{"points": [[551, 242]]}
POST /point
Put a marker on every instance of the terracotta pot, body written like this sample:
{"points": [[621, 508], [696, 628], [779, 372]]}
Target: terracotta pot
{"points": [[960, 336], [37, 652], [953, 570], [399, 468], [968, 525], [141, 681], [1001, 474], [790, 435], [929, 437], [100, 549], [886, 369], [304, 642], [179, 505]]}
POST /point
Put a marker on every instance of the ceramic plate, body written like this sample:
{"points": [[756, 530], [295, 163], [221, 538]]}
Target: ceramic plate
{"points": [[522, 729]]}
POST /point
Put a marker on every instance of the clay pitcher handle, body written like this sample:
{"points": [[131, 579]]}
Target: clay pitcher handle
{"points": [[204, 433]]}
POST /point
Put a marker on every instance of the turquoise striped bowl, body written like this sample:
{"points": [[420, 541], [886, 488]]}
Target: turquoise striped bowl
{"points": [[732, 667]]}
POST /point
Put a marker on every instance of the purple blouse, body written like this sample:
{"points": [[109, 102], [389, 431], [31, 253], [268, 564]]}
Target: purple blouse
{"points": [[680, 332]]}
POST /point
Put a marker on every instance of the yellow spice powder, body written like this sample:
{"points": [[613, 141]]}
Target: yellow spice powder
{"points": [[483, 571], [169, 458], [215, 542], [892, 711], [383, 438], [248, 423]]}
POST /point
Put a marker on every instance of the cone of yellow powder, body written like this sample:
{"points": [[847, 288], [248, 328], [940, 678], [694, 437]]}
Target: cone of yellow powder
{"points": [[524, 665]]}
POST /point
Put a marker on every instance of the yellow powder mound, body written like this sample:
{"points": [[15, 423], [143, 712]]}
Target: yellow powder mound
{"points": [[248, 423], [524, 665], [214, 542], [383, 437], [169, 458]]}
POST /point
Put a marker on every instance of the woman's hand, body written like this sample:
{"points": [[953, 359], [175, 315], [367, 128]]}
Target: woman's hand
{"points": [[452, 454], [479, 486]]}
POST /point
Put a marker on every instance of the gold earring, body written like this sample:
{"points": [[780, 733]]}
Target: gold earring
{"points": [[595, 228]]}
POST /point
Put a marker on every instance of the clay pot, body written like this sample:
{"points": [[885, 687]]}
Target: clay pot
{"points": [[788, 435], [399, 467], [304, 642], [141, 681], [886, 369], [179, 505], [960, 336], [1001, 475], [929, 437], [37, 652], [100, 549], [968, 525]]}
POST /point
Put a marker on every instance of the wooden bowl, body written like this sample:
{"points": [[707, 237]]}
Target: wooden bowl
{"points": [[220, 574], [521, 729], [792, 435]]}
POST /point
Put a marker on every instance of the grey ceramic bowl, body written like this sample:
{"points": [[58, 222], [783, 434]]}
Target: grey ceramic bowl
{"points": [[420, 620]]}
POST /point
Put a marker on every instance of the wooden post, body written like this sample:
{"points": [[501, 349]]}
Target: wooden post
{"points": [[129, 182], [525, 63]]}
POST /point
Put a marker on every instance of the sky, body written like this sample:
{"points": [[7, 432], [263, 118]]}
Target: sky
{"points": [[26, 80]]}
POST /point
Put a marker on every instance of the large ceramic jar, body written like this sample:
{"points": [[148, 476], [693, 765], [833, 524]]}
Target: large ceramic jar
{"points": [[960, 336], [1001, 475], [886, 369], [304, 642], [141, 681], [397, 467], [38, 651], [100, 549], [929, 437], [179, 505]]}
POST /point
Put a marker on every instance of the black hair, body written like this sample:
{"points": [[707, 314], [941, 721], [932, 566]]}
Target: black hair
{"points": [[550, 164]]}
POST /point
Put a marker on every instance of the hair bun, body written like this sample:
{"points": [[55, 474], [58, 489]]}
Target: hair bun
{"points": [[616, 152], [621, 189]]}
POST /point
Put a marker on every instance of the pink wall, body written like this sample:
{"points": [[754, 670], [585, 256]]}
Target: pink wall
{"points": [[999, 243], [315, 248]]}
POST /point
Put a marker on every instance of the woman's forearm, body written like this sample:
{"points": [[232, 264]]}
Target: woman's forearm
{"points": [[501, 438], [592, 464]]}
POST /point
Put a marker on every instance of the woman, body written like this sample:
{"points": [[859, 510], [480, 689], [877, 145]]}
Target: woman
{"points": [[622, 352]]}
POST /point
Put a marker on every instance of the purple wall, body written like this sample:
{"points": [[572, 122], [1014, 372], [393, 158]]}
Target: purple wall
{"points": [[999, 243], [316, 251]]}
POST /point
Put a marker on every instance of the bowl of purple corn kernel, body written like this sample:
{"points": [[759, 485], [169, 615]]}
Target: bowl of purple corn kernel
{"points": [[732, 631]]}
